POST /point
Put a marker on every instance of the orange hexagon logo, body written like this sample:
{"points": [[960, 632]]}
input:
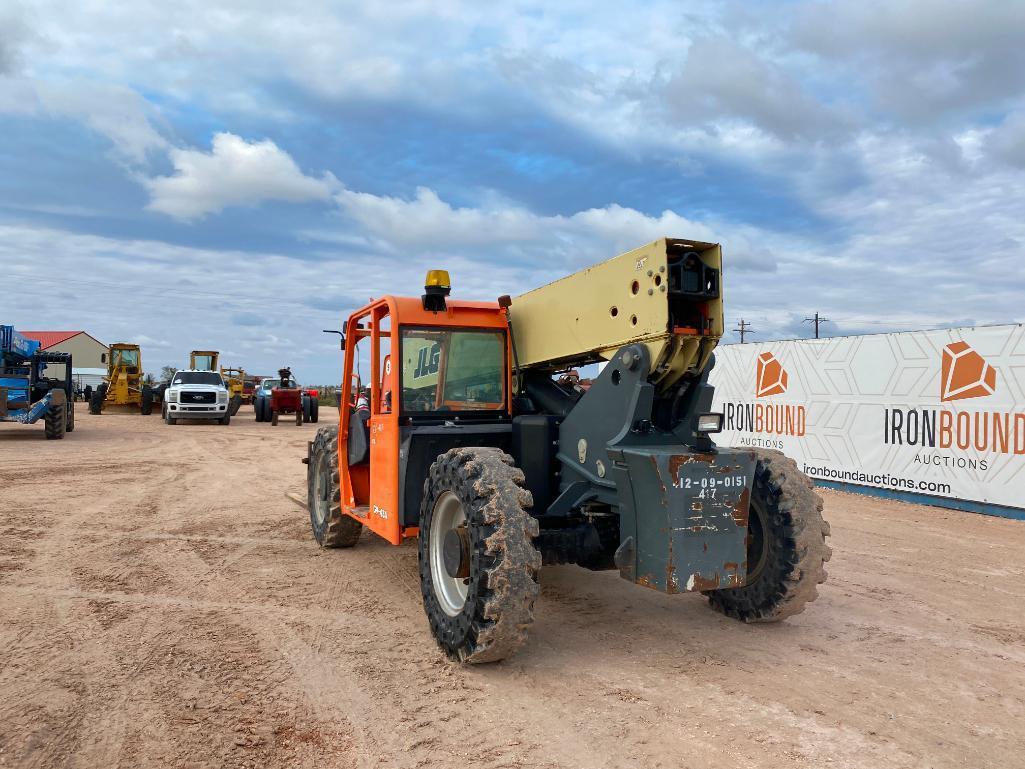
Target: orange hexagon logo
{"points": [[965, 373], [771, 377]]}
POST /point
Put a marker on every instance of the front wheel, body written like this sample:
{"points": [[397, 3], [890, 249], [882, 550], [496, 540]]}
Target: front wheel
{"points": [[331, 527], [273, 418], [55, 422], [786, 545], [478, 564], [314, 410]]}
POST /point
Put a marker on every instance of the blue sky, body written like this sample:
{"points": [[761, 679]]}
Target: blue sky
{"points": [[239, 175]]}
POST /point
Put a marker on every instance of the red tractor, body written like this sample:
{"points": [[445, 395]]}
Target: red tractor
{"points": [[286, 397]]}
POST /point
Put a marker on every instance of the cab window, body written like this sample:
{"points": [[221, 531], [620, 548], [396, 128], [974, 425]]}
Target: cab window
{"points": [[452, 370]]}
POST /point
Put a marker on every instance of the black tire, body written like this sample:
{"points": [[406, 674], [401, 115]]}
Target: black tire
{"points": [[261, 410], [331, 527], [273, 418], [170, 419], [96, 402], [225, 420], [299, 416], [306, 408], [234, 405], [787, 548], [70, 419], [314, 410], [55, 423], [147, 401], [498, 557]]}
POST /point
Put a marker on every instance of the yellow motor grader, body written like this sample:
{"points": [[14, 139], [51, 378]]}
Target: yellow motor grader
{"points": [[123, 389], [204, 360], [235, 381]]}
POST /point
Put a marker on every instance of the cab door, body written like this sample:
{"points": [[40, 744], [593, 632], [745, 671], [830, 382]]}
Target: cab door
{"points": [[383, 515]]}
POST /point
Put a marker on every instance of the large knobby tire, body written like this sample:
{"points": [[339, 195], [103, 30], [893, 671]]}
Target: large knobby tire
{"points": [[55, 422], [146, 408], [331, 527], [69, 422], [787, 547], [314, 410], [96, 401], [475, 498], [234, 405], [258, 409]]}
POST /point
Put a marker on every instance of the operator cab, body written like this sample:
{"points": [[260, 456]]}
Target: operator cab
{"points": [[448, 387]]}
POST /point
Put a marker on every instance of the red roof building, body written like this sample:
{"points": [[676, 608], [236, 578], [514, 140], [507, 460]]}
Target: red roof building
{"points": [[50, 338]]}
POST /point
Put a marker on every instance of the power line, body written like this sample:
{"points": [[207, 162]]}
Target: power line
{"points": [[817, 320], [743, 328]]}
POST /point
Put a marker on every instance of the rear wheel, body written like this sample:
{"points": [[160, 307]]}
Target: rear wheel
{"points": [[55, 422], [786, 546], [273, 418], [70, 420], [147, 401], [314, 410], [96, 401], [299, 416], [331, 527], [478, 565]]}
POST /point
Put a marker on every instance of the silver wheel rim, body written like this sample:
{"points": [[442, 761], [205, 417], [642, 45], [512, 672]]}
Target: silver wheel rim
{"points": [[321, 491], [451, 592]]}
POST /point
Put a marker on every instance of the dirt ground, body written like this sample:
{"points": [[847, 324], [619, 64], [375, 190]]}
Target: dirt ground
{"points": [[162, 604]]}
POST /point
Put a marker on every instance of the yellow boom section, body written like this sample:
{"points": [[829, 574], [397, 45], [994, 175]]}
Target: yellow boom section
{"points": [[666, 295]]}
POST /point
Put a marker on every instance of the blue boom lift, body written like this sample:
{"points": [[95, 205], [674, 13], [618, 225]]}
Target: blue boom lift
{"points": [[26, 394]]}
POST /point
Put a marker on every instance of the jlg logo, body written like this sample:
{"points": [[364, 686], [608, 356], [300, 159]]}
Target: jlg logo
{"points": [[771, 377], [428, 360], [965, 374]]}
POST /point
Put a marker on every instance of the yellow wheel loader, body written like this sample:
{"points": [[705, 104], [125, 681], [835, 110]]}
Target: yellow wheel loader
{"points": [[123, 389]]}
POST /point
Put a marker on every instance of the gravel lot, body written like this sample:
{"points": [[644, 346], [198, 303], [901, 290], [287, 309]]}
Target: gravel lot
{"points": [[162, 603]]}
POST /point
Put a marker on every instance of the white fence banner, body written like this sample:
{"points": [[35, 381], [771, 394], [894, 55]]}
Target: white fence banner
{"points": [[939, 413]]}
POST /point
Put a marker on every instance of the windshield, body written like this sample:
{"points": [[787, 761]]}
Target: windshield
{"points": [[267, 384], [197, 377], [204, 362], [124, 357], [452, 370]]}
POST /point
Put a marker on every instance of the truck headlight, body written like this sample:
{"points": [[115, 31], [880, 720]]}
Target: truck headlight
{"points": [[709, 423], [172, 396], [222, 397]]}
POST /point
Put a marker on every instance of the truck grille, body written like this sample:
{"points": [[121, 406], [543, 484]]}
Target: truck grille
{"points": [[193, 397]]}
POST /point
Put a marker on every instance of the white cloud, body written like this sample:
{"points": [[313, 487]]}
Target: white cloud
{"points": [[114, 111], [235, 172], [426, 223]]}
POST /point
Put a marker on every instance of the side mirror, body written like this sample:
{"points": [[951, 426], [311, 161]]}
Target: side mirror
{"points": [[341, 344]]}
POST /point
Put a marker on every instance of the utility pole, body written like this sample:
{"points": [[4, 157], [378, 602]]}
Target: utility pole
{"points": [[743, 327], [817, 320]]}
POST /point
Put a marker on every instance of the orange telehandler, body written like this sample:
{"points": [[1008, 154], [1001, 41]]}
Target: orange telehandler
{"points": [[472, 441]]}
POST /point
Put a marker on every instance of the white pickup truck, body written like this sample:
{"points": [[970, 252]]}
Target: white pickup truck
{"points": [[196, 395]]}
